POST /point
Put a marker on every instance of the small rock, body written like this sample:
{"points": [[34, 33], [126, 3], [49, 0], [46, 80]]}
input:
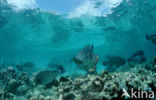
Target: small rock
{"points": [[8, 96], [53, 83], [41, 97], [13, 85], [60, 90], [22, 89], [10, 69], [34, 98], [104, 73], [64, 79], [67, 89], [97, 86], [70, 96]]}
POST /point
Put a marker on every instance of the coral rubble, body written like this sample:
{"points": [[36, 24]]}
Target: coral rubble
{"points": [[104, 86]]}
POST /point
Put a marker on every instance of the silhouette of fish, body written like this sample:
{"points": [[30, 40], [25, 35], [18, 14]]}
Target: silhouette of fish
{"points": [[85, 53], [114, 61], [151, 38], [45, 77], [86, 59], [138, 57], [55, 66], [25, 66]]}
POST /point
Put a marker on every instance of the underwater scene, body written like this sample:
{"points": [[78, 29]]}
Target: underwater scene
{"points": [[90, 50]]}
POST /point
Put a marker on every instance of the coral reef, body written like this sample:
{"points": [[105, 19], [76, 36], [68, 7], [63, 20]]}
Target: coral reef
{"points": [[104, 86]]}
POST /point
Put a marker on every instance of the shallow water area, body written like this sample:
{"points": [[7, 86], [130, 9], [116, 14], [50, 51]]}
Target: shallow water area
{"points": [[97, 49]]}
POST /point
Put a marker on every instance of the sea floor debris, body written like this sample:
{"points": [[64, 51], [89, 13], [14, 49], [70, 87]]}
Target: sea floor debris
{"points": [[104, 86]]}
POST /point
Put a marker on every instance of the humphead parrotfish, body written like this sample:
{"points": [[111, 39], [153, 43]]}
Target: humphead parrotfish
{"points": [[114, 61], [28, 66], [46, 77], [86, 59], [137, 57], [55, 66]]}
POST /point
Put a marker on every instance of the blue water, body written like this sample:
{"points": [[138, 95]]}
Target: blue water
{"points": [[40, 36]]}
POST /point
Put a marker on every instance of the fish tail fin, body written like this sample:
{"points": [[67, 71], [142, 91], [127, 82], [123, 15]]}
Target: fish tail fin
{"points": [[105, 63], [147, 37], [61, 69]]}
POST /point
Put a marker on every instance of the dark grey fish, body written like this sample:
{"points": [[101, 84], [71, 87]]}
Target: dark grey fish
{"points": [[114, 61], [111, 28], [85, 53], [25, 66], [151, 38], [137, 57], [45, 77], [28, 65], [86, 59], [55, 66]]}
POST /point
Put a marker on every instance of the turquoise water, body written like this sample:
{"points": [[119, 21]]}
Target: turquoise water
{"points": [[40, 36]]}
